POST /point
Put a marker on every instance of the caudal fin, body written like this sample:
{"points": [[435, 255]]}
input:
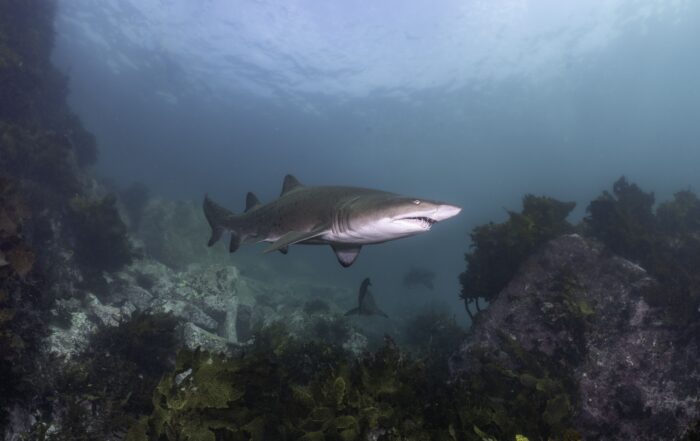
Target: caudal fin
{"points": [[219, 221]]}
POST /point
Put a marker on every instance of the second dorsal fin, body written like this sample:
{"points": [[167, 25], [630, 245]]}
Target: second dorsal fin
{"points": [[251, 201], [289, 184]]}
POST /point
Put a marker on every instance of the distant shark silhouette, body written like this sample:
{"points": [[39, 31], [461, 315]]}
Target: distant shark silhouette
{"points": [[365, 302], [346, 218], [419, 276]]}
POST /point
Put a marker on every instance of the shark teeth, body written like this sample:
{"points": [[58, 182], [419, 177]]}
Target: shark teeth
{"points": [[425, 222]]}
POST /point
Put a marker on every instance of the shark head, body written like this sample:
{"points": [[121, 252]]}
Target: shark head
{"points": [[388, 216]]}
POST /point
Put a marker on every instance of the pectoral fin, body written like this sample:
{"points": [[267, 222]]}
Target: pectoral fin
{"points": [[346, 254], [293, 237]]}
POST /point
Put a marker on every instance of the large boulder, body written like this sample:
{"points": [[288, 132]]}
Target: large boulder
{"points": [[579, 308]]}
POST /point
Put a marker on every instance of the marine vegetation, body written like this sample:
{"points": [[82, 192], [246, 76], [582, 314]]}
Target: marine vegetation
{"points": [[624, 220], [332, 331], [101, 241], [22, 324], [497, 250], [433, 336], [109, 385], [39, 156], [283, 388], [665, 242], [33, 96]]}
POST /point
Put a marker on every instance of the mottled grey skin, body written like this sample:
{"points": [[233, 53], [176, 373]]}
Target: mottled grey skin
{"points": [[346, 218], [365, 302]]}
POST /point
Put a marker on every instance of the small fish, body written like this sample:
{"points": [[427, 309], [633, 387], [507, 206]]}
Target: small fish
{"points": [[365, 302], [346, 218], [419, 276]]}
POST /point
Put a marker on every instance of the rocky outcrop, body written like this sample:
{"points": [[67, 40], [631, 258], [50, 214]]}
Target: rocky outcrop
{"points": [[580, 309]]}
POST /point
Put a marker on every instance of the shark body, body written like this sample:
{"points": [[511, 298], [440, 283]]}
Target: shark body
{"points": [[346, 218]]}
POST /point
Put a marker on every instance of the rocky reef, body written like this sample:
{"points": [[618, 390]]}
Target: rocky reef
{"points": [[604, 320], [497, 250], [622, 372]]}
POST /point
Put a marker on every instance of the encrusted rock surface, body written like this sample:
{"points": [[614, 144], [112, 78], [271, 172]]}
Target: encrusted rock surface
{"points": [[637, 377]]}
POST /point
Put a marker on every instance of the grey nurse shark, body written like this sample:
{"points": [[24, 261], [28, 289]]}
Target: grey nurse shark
{"points": [[346, 218]]}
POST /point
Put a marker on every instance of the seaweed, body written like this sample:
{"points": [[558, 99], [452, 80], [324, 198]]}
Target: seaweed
{"points": [[22, 301], [624, 220], [665, 241], [283, 388], [334, 330], [106, 388], [433, 336], [44, 157], [101, 238], [497, 250]]}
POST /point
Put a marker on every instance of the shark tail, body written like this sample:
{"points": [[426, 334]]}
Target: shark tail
{"points": [[219, 219]]}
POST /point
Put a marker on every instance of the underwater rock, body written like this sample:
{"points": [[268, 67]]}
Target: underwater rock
{"points": [[580, 310], [244, 325], [70, 341], [186, 311], [106, 315], [356, 343], [195, 337], [229, 328], [133, 295]]}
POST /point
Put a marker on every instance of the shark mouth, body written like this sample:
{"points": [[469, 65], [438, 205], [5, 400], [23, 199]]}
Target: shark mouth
{"points": [[424, 222]]}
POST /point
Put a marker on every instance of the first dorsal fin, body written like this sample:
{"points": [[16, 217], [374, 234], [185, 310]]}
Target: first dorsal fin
{"points": [[289, 184], [251, 201]]}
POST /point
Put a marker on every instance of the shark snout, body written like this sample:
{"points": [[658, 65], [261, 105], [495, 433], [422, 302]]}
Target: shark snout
{"points": [[446, 211]]}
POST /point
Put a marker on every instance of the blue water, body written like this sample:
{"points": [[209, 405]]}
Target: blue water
{"points": [[471, 102]]}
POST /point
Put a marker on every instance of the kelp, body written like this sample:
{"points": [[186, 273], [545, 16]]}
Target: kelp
{"points": [[287, 389], [624, 220], [21, 297], [497, 250], [665, 241], [101, 238], [107, 387]]}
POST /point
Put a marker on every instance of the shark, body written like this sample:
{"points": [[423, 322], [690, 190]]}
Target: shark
{"points": [[346, 218], [365, 302]]}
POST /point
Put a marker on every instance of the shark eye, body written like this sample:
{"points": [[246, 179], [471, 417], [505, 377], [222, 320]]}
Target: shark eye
{"points": [[416, 201]]}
